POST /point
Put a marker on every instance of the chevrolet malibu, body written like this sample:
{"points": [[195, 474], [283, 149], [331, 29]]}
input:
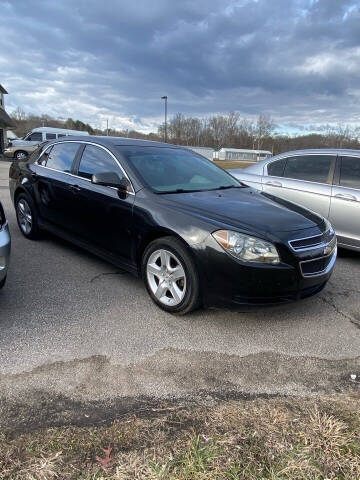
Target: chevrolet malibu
{"points": [[5, 243], [195, 234]]}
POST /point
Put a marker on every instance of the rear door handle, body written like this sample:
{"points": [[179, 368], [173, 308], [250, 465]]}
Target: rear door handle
{"points": [[346, 196], [274, 183], [74, 188]]}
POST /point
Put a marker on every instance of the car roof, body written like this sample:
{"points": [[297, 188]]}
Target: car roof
{"points": [[115, 141], [59, 130], [314, 151], [258, 167]]}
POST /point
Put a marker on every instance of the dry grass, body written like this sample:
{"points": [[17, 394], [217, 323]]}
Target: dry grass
{"points": [[297, 439], [226, 165]]}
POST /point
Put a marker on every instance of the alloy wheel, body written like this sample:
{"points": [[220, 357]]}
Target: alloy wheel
{"points": [[20, 156], [24, 216], [166, 277]]}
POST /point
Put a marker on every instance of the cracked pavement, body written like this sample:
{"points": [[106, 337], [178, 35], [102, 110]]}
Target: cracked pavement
{"points": [[81, 340]]}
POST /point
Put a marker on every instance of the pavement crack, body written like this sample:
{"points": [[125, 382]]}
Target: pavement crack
{"points": [[340, 312], [100, 275]]}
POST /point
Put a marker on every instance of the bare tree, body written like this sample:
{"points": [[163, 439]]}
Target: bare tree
{"points": [[216, 131], [264, 129]]}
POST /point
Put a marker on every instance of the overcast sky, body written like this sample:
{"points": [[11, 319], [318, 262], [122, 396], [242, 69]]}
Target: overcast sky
{"points": [[297, 60]]}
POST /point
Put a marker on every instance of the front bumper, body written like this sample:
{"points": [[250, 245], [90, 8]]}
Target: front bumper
{"points": [[228, 282], [9, 153], [5, 247]]}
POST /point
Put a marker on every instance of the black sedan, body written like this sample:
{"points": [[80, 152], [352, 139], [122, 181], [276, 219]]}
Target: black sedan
{"points": [[195, 234]]}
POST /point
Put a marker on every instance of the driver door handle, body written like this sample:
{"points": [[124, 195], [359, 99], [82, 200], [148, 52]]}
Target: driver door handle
{"points": [[346, 196], [273, 183]]}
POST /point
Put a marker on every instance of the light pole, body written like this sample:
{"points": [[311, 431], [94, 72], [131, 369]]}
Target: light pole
{"points": [[165, 98]]}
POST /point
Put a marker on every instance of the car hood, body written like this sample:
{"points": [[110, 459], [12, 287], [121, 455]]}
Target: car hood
{"points": [[248, 209], [24, 143]]}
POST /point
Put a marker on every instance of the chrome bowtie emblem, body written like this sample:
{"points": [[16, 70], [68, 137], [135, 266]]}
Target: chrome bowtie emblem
{"points": [[327, 250]]}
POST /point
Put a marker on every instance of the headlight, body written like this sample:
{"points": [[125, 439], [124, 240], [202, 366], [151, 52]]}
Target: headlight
{"points": [[328, 226], [246, 248]]}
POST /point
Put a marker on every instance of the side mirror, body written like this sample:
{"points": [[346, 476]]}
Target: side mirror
{"points": [[111, 179]]}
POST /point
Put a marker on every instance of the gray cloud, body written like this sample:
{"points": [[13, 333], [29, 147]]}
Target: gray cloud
{"points": [[296, 60]]}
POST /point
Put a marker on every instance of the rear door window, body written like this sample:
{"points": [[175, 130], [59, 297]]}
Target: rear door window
{"points": [[350, 172], [50, 136], [96, 160], [312, 168], [62, 156], [276, 169]]}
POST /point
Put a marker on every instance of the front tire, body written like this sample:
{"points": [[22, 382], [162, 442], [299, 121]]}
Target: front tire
{"points": [[2, 283], [20, 155], [27, 217], [170, 276]]}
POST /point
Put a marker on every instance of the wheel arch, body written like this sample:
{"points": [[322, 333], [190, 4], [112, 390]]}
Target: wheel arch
{"points": [[155, 234], [22, 151], [27, 191], [19, 189]]}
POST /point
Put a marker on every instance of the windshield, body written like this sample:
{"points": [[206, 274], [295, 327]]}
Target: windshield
{"points": [[172, 170]]}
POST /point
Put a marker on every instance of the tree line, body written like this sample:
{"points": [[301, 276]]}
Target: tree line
{"points": [[217, 131]]}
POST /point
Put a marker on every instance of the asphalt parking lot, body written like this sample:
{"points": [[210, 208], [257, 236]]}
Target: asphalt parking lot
{"points": [[81, 340]]}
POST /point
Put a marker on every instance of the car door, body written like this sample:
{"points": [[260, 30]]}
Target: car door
{"points": [[54, 183], [303, 179], [272, 180], [345, 201], [103, 214], [34, 138]]}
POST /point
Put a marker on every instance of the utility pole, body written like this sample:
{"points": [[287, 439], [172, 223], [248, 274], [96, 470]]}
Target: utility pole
{"points": [[107, 127], [165, 98]]}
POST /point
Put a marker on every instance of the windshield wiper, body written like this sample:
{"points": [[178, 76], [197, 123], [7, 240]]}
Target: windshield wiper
{"points": [[178, 190], [225, 187], [182, 190]]}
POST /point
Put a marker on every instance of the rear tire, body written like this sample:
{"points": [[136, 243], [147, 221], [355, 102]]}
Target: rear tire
{"points": [[170, 276], [27, 217]]}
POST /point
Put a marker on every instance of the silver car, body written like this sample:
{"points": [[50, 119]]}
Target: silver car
{"points": [[5, 243], [326, 181]]}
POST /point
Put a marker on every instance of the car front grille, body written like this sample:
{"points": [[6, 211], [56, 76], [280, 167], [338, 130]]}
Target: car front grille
{"points": [[306, 242], [317, 266], [311, 242]]}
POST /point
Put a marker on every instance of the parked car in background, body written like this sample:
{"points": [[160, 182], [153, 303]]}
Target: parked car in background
{"points": [[19, 152], [326, 181], [21, 148], [5, 246], [194, 233]]}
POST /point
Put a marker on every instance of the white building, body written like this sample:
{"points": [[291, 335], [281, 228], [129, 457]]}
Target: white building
{"points": [[5, 120], [207, 152]]}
